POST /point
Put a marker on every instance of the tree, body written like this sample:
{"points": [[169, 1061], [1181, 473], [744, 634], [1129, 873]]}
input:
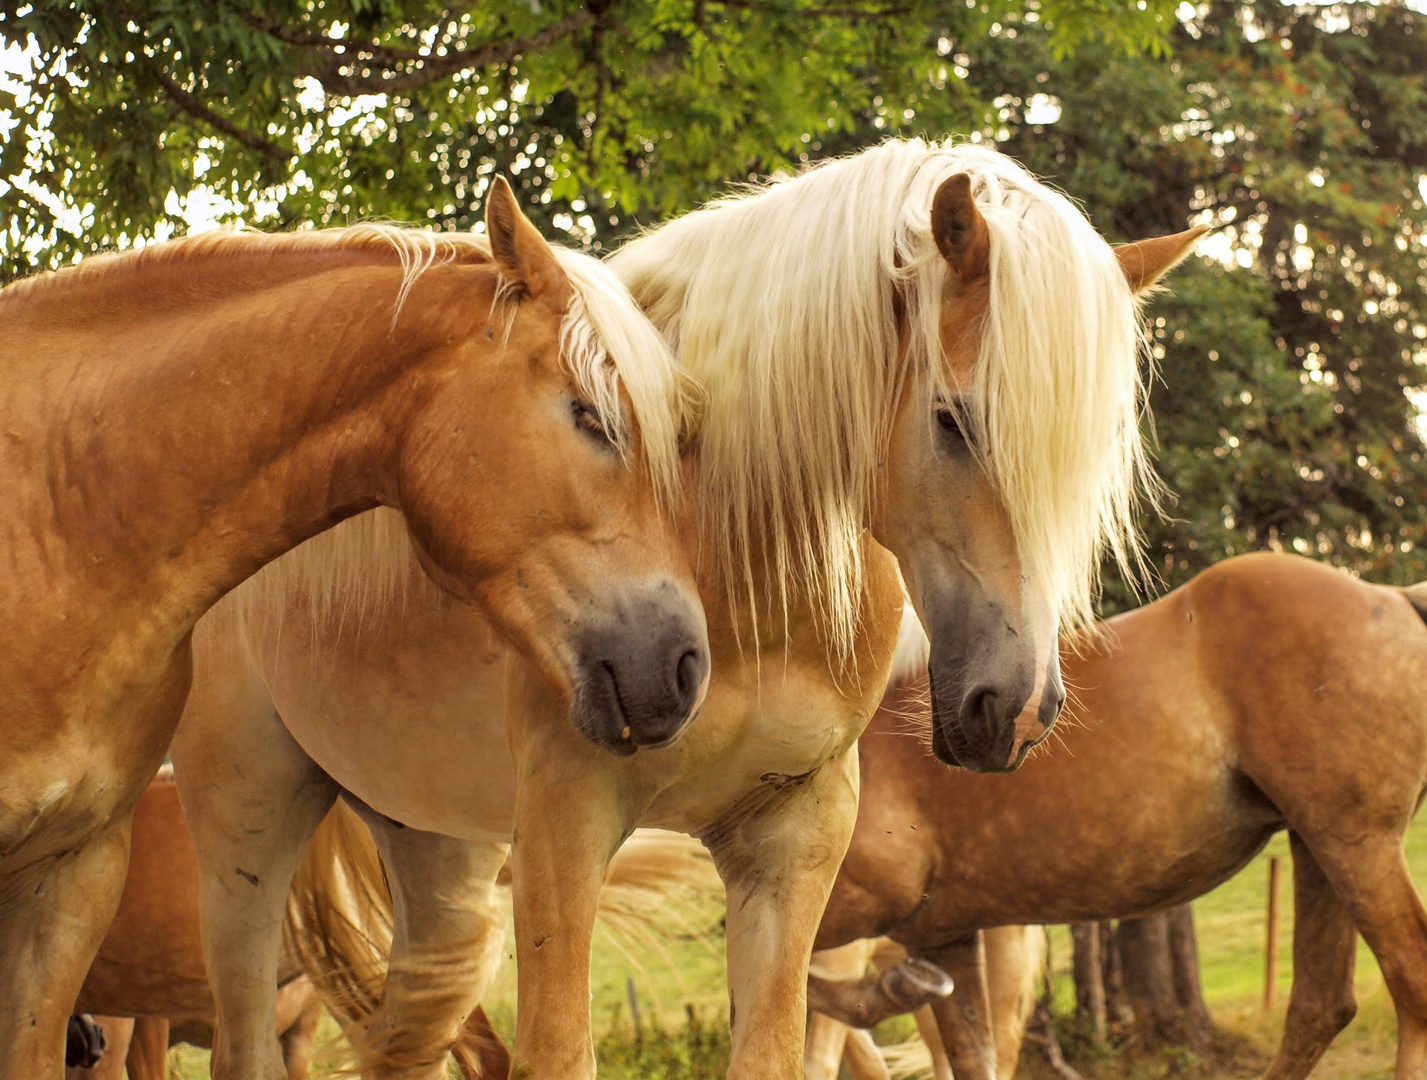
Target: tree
{"points": [[1283, 408], [606, 110]]}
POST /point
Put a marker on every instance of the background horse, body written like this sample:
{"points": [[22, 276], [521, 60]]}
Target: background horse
{"points": [[176, 417], [1271, 692], [1015, 960], [876, 338]]}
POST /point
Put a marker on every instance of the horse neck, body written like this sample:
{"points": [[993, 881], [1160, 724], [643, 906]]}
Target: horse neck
{"points": [[193, 434]]}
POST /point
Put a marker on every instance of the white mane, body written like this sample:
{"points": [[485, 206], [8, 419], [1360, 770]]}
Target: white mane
{"points": [[606, 344], [783, 301]]}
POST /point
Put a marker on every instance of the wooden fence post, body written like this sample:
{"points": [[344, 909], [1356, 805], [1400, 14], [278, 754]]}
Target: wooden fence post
{"points": [[1270, 966]]}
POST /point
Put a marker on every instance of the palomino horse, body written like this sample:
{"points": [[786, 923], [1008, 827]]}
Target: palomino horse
{"points": [[919, 346], [1270, 692], [176, 417]]}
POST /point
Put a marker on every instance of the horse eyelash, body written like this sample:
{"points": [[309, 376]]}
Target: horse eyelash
{"points": [[587, 419]]}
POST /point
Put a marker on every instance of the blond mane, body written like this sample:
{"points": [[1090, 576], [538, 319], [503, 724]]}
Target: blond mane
{"points": [[783, 301]]}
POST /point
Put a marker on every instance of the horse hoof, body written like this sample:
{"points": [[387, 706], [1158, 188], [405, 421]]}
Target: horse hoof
{"points": [[916, 982]]}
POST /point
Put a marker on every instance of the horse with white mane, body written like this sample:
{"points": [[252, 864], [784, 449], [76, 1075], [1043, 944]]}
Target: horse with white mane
{"points": [[918, 356]]}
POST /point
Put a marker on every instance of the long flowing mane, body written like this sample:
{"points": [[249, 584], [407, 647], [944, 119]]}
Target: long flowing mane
{"points": [[805, 305], [607, 346]]}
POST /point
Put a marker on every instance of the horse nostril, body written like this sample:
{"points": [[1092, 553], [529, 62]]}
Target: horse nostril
{"points": [[689, 674], [982, 706]]}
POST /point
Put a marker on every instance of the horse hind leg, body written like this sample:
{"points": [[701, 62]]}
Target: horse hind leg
{"points": [[298, 1012], [252, 798], [964, 1019], [1324, 956], [147, 1058], [448, 934], [1372, 882]]}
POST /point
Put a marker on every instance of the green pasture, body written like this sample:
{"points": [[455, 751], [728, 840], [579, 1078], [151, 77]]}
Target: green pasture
{"points": [[674, 967]]}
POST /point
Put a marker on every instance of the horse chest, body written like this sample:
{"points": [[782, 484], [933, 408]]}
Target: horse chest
{"points": [[752, 739]]}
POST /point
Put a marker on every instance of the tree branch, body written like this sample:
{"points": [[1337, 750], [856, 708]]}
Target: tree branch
{"points": [[430, 69], [195, 108]]}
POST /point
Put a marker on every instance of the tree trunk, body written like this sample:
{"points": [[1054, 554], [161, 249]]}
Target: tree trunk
{"points": [[1159, 962], [1089, 974], [1188, 991]]}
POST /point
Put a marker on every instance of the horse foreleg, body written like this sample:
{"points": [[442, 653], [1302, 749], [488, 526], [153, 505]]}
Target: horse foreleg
{"points": [[1371, 880], [1014, 957], [53, 917], [571, 813], [865, 1001], [252, 799], [447, 937], [964, 1018], [778, 853], [1324, 956]]}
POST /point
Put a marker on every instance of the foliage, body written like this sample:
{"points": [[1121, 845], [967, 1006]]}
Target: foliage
{"points": [[1283, 409], [1283, 412], [325, 110], [648, 1052]]}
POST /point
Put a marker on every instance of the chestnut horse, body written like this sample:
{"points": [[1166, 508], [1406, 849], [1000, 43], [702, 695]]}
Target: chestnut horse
{"points": [[1270, 692], [171, 419], [918, 351]]}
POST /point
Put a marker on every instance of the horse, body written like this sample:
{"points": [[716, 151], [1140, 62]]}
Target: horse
{"points": [[1015, 957], [918, 357], [149, 987], [173, 418], [1269, 693], [148, 977]]}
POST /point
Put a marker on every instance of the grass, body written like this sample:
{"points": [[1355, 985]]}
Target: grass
{"points": [[674, 976]]}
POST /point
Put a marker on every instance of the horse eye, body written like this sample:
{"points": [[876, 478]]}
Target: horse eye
{"points": [[949, 424], [588, 421]]}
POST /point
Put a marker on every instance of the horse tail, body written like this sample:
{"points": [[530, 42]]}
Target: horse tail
{"points": [[339, 919], [1417, 596]]}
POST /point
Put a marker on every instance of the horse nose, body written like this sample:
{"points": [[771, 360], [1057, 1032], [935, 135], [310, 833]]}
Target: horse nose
{"points": [[660, 691], [646, 673], [1052, 704]]}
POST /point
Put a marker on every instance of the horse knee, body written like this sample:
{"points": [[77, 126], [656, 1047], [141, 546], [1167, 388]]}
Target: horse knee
{"points": [[1341, 1015]]}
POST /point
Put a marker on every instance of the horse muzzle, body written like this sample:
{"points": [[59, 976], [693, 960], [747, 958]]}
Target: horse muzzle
{"points": [[988, 728], [644, 671]]}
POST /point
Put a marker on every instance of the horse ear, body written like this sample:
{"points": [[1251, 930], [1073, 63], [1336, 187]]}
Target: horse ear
{"points": [[959, 229], [524, 258], [1146, 261]]}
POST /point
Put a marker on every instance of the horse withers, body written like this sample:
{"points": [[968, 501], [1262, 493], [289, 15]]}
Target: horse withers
{"points": [[174, 418], [874, 338], [1271, 692]]}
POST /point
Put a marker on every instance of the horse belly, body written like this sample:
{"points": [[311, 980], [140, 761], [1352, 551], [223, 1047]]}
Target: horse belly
{"points": [[413, 726]]}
